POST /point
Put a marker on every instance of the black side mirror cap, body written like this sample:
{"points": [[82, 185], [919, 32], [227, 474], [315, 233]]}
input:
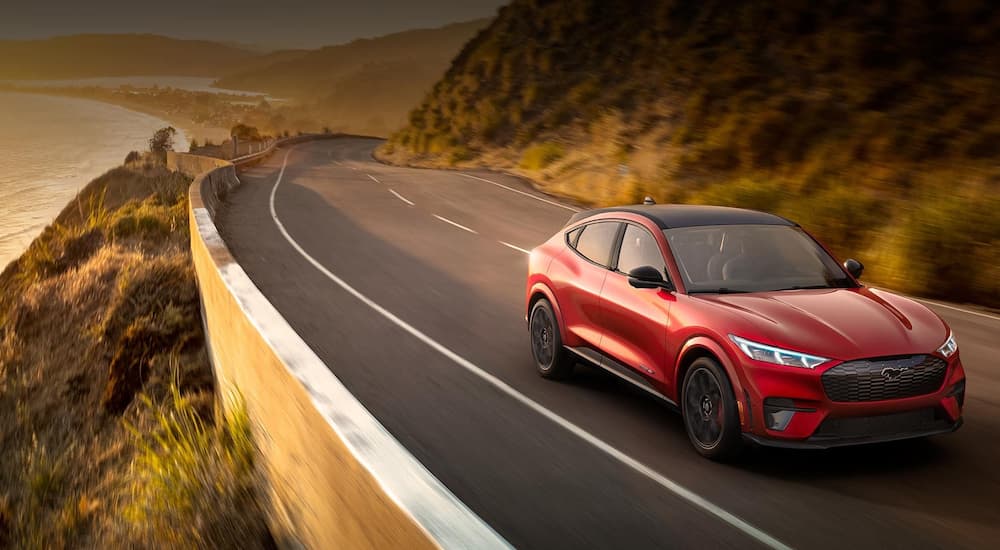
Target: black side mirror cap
{"points": [[647, 276], [854, 267]]}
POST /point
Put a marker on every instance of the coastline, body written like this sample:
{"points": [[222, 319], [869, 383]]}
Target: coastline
{"points": [[184, 123], [45, 168]]}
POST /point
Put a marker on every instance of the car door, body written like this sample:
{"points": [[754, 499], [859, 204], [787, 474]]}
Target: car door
{"points": [[635, 320], [579, 277]]}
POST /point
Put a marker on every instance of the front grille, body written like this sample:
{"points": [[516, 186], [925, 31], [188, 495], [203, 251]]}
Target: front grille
{"points": [[921, 420], [885, 378]]}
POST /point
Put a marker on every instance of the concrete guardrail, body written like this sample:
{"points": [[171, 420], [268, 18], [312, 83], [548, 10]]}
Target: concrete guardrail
{"points": [[337, 477]]}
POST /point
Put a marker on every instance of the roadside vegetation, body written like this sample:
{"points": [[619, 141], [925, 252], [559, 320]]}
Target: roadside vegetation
{"points": [[110, 432], [875, 125]]}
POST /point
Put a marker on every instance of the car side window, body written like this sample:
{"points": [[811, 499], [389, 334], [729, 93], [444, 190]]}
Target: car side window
{"points": [[573, 236], [639, 248], [597, 240]]}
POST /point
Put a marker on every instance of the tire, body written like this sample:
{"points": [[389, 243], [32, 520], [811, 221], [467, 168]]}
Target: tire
{"points": [[709, 409], [551, 359]]}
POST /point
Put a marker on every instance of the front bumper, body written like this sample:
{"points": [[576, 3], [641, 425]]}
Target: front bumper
{"points": [[814, 421], [821, 442]]}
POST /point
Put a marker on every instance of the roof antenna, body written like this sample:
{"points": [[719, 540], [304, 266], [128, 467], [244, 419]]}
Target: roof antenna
{"points": [[648, 200]]}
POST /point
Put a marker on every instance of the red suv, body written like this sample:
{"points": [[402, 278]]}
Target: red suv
{"points": [[746, 324]]}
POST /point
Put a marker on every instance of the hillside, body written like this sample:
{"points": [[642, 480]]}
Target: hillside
{"points": [[876, 125], [96, 55], [365, 85], [108, 422], [263, 61]]}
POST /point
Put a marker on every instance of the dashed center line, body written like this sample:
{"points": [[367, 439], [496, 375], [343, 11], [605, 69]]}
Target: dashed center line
{"points": [[401, 197], [458, 225], [518, 248], [519, 192], [373, 178]]}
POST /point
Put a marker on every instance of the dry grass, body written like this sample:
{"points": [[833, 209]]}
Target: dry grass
{"points": [[100, 331], [193, 482]]}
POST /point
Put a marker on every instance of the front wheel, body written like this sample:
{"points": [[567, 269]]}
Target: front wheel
{"points": [[551, 359], [709, 410]]}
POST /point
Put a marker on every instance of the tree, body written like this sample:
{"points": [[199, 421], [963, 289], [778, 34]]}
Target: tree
{"points": [[243, 132], [163, 140]]}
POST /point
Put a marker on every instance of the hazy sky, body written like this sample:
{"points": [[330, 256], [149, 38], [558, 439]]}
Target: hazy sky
{"points": [[272, 23]]}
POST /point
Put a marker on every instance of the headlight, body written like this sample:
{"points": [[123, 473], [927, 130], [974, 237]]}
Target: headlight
{"points": [[778, 356], [949, 347]]}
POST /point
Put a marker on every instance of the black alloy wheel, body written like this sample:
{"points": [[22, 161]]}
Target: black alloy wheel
{"points": [[709, 409], [551, 359]]}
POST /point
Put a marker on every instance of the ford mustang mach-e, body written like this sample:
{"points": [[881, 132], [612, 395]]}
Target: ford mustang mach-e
{"points": [[746, 324]]}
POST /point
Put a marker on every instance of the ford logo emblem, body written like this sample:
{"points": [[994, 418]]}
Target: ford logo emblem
{"points": [[890, 373]]}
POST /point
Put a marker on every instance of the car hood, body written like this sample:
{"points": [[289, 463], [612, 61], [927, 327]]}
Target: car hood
{"points": [[837, 323]]}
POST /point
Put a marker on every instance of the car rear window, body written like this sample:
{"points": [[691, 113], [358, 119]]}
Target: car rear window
{"points": [[597, 240]]}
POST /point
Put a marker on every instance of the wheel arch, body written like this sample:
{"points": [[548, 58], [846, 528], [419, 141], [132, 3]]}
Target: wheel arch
{"points": [[541, 290], [703, 346]]}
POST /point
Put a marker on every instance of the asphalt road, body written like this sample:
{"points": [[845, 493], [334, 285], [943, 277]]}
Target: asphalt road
{"points": [[590, 463]]}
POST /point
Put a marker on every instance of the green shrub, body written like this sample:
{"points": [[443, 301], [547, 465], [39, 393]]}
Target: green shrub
{"points": [[542, 155], [950, 246], [767, 195], [842, 216], [194, 480], [459, 154]]}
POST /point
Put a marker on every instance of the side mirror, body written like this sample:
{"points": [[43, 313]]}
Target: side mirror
{"points": [[647, 276], [854, 267]]}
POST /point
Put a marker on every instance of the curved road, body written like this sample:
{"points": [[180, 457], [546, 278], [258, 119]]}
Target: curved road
{"points": [[409, 285]]}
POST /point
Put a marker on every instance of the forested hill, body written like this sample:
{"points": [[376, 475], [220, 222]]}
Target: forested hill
{"points": [[366, 85], [874, 124], [325, 68]]}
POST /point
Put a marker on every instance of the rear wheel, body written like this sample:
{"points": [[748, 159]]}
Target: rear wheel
{"points": [[551, 359], [709, 410]]}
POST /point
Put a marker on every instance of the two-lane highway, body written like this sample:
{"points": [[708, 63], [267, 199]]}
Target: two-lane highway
{"points": [[409, 285]]}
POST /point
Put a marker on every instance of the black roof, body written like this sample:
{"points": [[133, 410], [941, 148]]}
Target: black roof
{"points": [[667, 216]]}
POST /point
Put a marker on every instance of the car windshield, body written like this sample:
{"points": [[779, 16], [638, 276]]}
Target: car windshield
{"points": [[752, 258]]}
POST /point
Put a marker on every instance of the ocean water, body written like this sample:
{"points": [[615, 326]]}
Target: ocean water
{"points": [[189, 83], [50, 147]]}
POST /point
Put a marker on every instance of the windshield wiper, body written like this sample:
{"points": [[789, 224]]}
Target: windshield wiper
{"points": [[722, 290]]}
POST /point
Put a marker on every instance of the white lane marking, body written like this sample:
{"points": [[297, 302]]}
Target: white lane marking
{"points": [[401, 197], [662, 480], [519, 192], [963, 310], [373, 178], [518, 248], [420, 495], [458, 225], [940, 304]]}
